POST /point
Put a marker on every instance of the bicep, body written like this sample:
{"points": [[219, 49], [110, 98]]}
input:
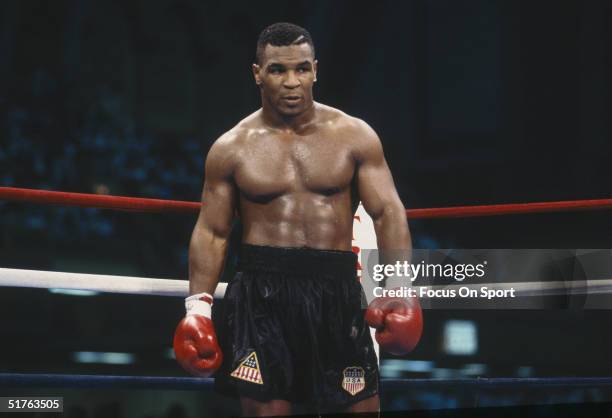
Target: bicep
{"points": [[376, 188], [218, 205], [374, 180], [219, 193]]}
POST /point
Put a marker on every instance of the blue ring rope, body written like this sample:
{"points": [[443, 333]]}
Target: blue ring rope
{"points": [[32, 380]]}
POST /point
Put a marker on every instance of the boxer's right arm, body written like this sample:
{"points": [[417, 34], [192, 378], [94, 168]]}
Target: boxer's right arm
{"points": [[210, 237], [195, 341]]}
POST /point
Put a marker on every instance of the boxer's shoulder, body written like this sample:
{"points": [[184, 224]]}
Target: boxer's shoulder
{"points": [[329, 117], [344, 123], [227, 150], [224, 154], [358, 135], [241, 132]]}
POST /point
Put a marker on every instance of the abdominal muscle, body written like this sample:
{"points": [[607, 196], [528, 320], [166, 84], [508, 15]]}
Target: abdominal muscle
{"points": [[303, 219]]}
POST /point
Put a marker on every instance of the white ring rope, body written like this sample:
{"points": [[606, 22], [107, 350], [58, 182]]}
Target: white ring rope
{"points": [[180, 288], [98, 283]]}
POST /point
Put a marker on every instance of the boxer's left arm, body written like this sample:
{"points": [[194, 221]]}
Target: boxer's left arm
{"points": [[398, 321], [378, 194]]}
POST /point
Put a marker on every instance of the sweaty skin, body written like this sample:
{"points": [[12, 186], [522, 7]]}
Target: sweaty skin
{"points": [[294, 189], [292, 170]]}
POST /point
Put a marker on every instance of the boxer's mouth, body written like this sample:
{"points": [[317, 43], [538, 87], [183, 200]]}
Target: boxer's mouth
{"points": [[292, 99]]}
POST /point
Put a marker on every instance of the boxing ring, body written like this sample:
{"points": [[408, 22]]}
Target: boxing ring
{"points": [[143, 286]]}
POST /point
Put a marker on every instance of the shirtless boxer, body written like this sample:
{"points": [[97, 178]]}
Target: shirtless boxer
{"points": [[294, 330]]}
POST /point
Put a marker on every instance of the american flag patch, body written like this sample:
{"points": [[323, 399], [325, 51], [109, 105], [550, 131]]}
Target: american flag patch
{"points": [[249, 370], [353, 380]]}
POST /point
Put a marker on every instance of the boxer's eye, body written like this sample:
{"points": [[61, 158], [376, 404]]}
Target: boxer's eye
{"points": [[275, 70]]}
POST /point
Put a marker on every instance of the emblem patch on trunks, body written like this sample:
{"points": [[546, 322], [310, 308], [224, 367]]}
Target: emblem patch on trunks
{"points": [[249, 370], [353, 380]]}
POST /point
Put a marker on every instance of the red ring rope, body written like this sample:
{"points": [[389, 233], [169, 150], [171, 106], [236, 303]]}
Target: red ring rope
{"points": [[138, 204], [135, 204]]}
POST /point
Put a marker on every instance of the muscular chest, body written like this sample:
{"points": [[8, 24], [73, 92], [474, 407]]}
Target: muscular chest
{"points": [[277, 166]]}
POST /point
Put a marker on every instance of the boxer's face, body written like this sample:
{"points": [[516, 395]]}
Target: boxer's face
{"points": [[285, 76]]}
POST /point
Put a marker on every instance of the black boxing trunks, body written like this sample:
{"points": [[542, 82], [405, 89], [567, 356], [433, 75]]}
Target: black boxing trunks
{"points": [[291, 326]]}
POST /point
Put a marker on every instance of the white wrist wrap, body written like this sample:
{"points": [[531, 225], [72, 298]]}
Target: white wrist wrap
{"points": [[199, 304]]}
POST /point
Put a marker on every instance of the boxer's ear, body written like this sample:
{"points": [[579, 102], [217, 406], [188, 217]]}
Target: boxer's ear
{"points": [[256, 70]]}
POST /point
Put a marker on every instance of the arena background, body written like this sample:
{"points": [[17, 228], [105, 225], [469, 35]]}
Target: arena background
{"points": [[476, 102]]}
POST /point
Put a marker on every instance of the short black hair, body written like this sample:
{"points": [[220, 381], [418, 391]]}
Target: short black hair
{"points": [[282, 34]]}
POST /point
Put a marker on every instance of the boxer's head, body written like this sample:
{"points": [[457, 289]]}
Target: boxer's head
{"points": [[285, 68]]}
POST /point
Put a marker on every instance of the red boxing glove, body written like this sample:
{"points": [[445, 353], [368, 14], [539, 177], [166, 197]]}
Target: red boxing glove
{"points": [[195, 342], [398, 323]]}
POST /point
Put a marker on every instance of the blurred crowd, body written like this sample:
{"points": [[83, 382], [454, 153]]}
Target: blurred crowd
{"points": [[52, 143]]}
